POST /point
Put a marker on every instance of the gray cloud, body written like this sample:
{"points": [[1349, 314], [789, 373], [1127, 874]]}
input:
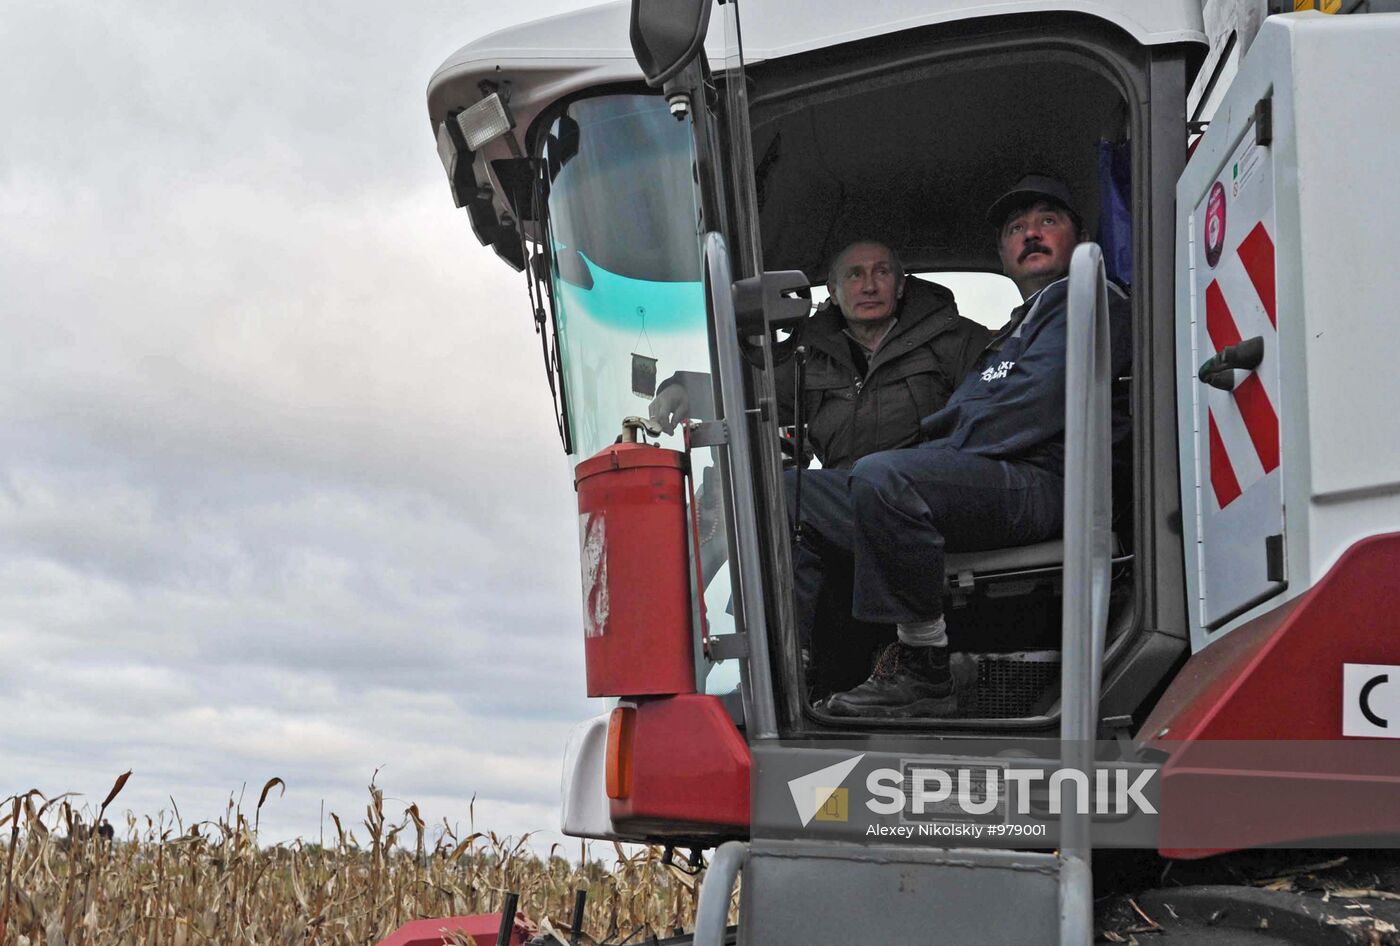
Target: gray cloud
{"points": [[280, 491]]}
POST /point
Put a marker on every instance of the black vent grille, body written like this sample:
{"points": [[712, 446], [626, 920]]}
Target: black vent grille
{"points": [[1013, 685]]}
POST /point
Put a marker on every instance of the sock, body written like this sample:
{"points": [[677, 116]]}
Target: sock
{"points": [[924, 633]]}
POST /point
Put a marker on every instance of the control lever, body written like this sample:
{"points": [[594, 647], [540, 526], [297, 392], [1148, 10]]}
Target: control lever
{"points": [[778, 295], [1219, 369], [765, 303]]}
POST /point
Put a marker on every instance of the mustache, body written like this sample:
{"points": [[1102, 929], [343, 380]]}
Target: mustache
{"points": [[1033, 248]]}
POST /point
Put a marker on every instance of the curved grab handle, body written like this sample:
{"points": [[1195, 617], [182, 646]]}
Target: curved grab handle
{"points": [[716, 890], [756, 678], [1088, 426]]}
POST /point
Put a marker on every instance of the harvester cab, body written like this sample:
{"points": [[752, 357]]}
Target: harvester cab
{"points": [[672, 177]]}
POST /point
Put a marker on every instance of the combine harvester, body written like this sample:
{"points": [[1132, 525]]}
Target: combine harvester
{"points": [[1210, 664]]}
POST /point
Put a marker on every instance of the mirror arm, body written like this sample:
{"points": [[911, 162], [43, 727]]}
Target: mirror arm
{"points": [[681, 89]]}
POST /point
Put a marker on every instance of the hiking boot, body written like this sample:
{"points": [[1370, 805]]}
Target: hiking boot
{"points": [[907, 681]]}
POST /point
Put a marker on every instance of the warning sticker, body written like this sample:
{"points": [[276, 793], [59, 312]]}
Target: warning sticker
{"points": [[593, 561], [1371, 700], [1245, 170], [1215, 224]]}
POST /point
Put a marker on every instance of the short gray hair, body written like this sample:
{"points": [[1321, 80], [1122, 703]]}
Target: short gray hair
{"points": [[895, 261]]}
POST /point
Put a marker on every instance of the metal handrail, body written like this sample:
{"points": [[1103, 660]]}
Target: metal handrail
{"points": [[760, 713], [1087, 528], [716, 890]]}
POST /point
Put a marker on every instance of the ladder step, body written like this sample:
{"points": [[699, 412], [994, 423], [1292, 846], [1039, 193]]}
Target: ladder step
{"points": [[795, 893]]}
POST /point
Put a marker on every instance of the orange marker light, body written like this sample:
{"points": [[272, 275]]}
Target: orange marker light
{"points": [[621, 725]]}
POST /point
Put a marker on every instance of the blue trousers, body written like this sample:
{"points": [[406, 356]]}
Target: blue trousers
{"points": [[892, 516]]}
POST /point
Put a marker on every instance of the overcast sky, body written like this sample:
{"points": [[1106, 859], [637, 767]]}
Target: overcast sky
{"points": [[281, 493]]}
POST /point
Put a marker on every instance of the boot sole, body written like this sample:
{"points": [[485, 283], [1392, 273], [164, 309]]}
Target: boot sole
{"points": [[942, 707]]}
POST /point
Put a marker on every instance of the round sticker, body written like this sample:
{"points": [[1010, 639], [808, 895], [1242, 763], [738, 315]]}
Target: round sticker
{"points": [[1215, 224]]}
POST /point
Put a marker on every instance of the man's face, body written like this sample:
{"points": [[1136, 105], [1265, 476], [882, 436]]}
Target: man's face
{"points": [[1036, 245], [865, 283]]}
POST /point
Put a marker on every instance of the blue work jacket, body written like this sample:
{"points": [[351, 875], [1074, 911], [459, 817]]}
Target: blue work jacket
{"points": [[1011, 406]]}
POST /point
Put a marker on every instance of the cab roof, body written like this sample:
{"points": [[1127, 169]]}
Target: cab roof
{"points": [[552, 57]]}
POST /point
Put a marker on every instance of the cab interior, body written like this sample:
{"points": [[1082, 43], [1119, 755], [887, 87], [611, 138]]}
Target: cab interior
{"points": [[911, 153]]}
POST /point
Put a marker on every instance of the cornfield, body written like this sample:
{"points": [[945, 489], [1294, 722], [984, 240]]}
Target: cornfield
{"points": [[69, 881]]}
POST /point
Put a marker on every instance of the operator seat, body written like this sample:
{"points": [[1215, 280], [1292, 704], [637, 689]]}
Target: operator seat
{"points": [[964, 571]]}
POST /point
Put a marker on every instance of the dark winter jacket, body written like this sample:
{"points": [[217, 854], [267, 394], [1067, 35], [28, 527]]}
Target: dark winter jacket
{"points": [[1012, 405], [918, 365]]}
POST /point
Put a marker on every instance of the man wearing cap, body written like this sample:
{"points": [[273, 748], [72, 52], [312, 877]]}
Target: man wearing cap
{"points": [[989, 473]]}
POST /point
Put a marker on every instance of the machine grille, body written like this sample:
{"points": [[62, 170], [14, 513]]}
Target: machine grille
{"points": [[1012, 685]]}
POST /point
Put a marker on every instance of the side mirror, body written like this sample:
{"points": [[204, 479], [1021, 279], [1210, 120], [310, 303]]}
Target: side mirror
{"points": [[667, 35]]}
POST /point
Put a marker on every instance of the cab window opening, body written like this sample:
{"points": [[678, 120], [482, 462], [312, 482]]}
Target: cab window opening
{"points": [[914, 162]]}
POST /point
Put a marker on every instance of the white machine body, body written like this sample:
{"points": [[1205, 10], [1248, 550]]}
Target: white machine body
{"points": [[1282, 216]]}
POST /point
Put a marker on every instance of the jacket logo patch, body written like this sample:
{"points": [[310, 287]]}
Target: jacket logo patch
{"points": [[998, 371]]}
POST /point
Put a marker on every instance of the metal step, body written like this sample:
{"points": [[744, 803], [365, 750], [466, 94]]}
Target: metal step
{"points": [[796, 893]]}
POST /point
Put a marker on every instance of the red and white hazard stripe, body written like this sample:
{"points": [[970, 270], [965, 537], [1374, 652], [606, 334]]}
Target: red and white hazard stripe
{"points": [[1244, 431]]}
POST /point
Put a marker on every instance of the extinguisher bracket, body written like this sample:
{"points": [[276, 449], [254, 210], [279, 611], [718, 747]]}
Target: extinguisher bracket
{"points": [[727, 646], [709, 433], [632, 427]]}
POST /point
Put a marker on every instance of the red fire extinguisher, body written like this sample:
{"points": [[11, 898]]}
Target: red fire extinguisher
{"points": [[636, 577]]}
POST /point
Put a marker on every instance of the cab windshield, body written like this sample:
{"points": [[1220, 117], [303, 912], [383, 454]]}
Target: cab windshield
{"points": [[629, 302], [624, 230]]}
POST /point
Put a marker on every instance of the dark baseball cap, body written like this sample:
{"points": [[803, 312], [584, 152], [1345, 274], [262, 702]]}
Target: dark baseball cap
{"points": [[1028, 190]]}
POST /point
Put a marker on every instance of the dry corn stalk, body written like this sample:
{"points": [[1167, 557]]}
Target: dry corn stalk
{"points": [[160, 883]]}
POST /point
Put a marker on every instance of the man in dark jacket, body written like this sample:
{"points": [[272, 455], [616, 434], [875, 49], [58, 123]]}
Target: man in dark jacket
{"points": [[882, 354], [885, 352], [989, 473]]}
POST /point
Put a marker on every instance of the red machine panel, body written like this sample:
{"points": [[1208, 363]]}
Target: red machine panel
{"points": [[1255, 725], [689, 766], [636, 577], [479, 927]]}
